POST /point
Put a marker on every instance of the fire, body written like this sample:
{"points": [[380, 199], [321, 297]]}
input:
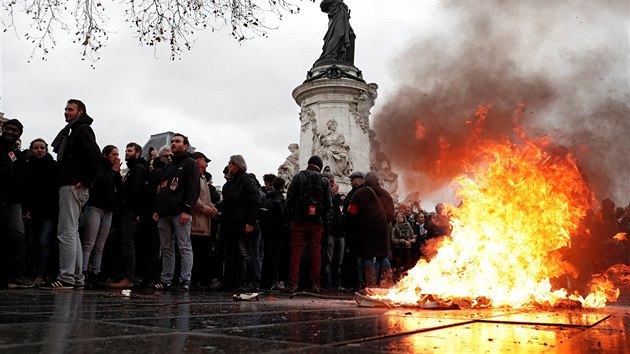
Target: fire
{"points": [[421, 131], [520, 205], [621, 236]]}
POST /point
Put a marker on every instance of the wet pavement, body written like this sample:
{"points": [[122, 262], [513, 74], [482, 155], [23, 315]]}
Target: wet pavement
{"points": [[88, 321]]}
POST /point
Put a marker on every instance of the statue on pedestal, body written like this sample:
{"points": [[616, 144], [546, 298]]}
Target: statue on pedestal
{"points": [[332, 148], [339, 39], [291, 165]]}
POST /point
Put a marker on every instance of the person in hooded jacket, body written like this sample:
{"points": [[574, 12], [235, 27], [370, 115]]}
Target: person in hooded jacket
{"points": [[78, 156], [98, 212], [41, 206], [371, 212]]}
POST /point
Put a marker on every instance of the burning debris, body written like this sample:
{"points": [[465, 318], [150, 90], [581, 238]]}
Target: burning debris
{"points": [[521, 204]]}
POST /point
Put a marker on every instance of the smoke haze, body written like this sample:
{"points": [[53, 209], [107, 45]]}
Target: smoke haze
{"points": [[567, 62]]}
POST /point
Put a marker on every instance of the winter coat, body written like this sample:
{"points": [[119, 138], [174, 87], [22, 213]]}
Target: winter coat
{"points": [[105, 191], [297, 188], [179, 186], [402, 232], [12, 164], [240, 203], [369, 213], [81, 154], [273, 223], [201, 220], [335, 219], [134, 186], [41, 190]]}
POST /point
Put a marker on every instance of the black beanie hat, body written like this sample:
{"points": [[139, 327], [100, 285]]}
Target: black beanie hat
{"points": [[316, 161], [16, 123]]}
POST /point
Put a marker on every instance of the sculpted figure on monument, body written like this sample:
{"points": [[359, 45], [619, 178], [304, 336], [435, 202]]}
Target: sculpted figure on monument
{"points": [[361, 105], [332, 148], [339, 39], [291, 165]]}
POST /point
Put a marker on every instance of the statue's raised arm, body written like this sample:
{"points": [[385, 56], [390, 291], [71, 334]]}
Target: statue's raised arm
{"points": [[339, 39]]}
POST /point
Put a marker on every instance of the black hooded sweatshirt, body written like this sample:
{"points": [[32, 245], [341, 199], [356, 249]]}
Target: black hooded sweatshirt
{"points": [[81, 154]]}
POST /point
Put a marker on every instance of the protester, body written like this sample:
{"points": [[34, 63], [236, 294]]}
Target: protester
{"points": [[178, 193], [78, 156], [134, 192], [202, 242], [371, 212], [308, 204], [275, 233], [12, 163], [98, 212], [239, 228], [41, 207]]}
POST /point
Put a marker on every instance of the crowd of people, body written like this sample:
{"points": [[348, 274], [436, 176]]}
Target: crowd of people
{"points": [[79, 221]]}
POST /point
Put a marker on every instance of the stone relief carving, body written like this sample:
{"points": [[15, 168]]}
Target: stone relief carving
{"points": [[291, 165], [331, 146], [380, 163], [360, 107], [306, 116]]}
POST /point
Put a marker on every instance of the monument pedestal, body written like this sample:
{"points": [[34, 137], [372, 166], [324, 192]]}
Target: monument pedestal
{"points": [[336, 94]]}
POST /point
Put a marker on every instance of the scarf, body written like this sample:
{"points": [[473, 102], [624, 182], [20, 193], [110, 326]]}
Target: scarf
{"points": [[61, 140]]}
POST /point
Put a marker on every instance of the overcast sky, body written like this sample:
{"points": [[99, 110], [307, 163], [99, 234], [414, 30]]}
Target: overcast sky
{"points": [[232, 98], [229, 98]]}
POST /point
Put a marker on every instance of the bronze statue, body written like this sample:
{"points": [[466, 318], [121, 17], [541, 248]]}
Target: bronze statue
{"points": [[339, 39]]}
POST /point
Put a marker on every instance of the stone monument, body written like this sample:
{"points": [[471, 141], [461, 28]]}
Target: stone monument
{"points": [[335, 104]]}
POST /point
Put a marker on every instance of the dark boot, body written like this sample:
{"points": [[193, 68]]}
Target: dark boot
{"points": [[387, 279], [370, 277]]}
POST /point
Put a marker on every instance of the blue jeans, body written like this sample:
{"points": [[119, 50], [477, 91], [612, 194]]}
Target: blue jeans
{"points": [[71, 200], [382, 262], [98, 222], [171, 229], [249, 247], [13, 240]]}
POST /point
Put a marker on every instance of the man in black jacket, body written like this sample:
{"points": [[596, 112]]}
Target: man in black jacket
{"points": [[11, 225], [239, 229], [308, 204], [133, 193], [178, 192], [78, 156]]}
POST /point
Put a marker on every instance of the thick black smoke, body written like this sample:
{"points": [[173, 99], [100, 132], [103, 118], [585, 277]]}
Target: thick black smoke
{"points": [[567, 62]]}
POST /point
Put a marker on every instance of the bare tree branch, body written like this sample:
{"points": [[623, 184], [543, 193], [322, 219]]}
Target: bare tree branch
{"points": [[171, 22]]}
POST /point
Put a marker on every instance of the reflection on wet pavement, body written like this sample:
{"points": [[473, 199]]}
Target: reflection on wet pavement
{"points": [[101, 321]]}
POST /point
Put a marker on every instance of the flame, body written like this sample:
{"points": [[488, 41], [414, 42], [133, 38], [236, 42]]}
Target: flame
{"points": [[421, 131], [621, 236], [520, 205]]}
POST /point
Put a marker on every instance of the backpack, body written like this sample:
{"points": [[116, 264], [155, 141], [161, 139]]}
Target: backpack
{"points": [[310, 204], [271, 213]]}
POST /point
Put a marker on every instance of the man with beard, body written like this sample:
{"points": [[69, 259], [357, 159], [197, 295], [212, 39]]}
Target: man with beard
{"points": [[78, 156], [177, 195], [134, 185], [371, 212], [11, 225]]}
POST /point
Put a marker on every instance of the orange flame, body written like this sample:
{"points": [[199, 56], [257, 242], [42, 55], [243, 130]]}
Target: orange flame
{"points": [[421, 131], [621, 236], [520, 204]]}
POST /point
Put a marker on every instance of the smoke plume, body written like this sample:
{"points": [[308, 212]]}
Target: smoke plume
{"points": [[563, 66]]}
